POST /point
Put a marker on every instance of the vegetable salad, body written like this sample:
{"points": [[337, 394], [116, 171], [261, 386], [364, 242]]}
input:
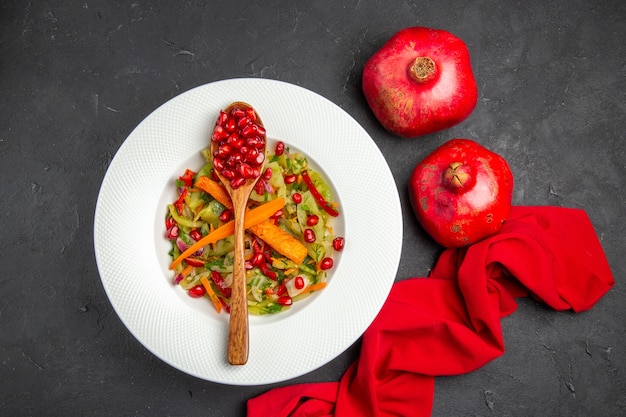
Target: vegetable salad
{"points": [[290, 241]]}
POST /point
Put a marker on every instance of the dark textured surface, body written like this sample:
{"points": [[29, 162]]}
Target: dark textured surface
{"points": [[77, 77]]}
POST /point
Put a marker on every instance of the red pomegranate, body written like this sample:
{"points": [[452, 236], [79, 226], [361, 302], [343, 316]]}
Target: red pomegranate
{"points": [[420, 82], [461, 193]]}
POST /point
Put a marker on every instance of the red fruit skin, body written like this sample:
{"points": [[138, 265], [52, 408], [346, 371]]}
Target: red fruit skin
{"points": [[458, 217], [408, 108]]}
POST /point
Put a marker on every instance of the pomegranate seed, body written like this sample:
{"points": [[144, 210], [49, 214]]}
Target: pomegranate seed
{"points": [[237, 113], [280, 148], [258, 259], [232, 138], [253, 142], [278, 213], [285, 300], [309, 235], [297, 198], [249, 131], [223, 151], [237, 182], [226, 216], [267, 175], [229, 174], [281, 289], [259, 142], [290, 179], [236, 158], [250, 153], [242, 121], [298, 282], [173, 232], [259, 187], [251, 114], [260, 130], [239, 142], [260, 158], [169, 223], [195, 235], [218, 164], [326, 263], [244, 170], [222, 118], [230, 124], [338, 243], [312, 220], [218, 133], [197, 291]]}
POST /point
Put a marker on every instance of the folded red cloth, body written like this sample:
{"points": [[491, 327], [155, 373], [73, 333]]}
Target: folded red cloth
{"points": [[449, 323]]}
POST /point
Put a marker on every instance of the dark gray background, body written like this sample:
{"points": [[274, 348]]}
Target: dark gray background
{"points": [[77, 77]]}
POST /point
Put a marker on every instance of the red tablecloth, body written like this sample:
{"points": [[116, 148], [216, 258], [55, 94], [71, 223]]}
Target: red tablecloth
{"points": [[449, 323]]}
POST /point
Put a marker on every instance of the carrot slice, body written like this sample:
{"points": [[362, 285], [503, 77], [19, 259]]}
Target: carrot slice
{"points": [[314, 287], [209, 290], [186, 271], [284, 243], [253, 217], [215, 189]]}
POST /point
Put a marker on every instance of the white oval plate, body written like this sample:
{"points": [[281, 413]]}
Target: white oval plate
{"points": [[131, 249]]}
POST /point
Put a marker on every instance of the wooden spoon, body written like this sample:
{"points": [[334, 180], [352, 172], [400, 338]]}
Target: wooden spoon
{"points": [[238, 332]]}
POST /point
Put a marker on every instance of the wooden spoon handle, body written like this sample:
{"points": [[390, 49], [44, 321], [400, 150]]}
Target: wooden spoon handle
{"points": [[238, 338]]}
